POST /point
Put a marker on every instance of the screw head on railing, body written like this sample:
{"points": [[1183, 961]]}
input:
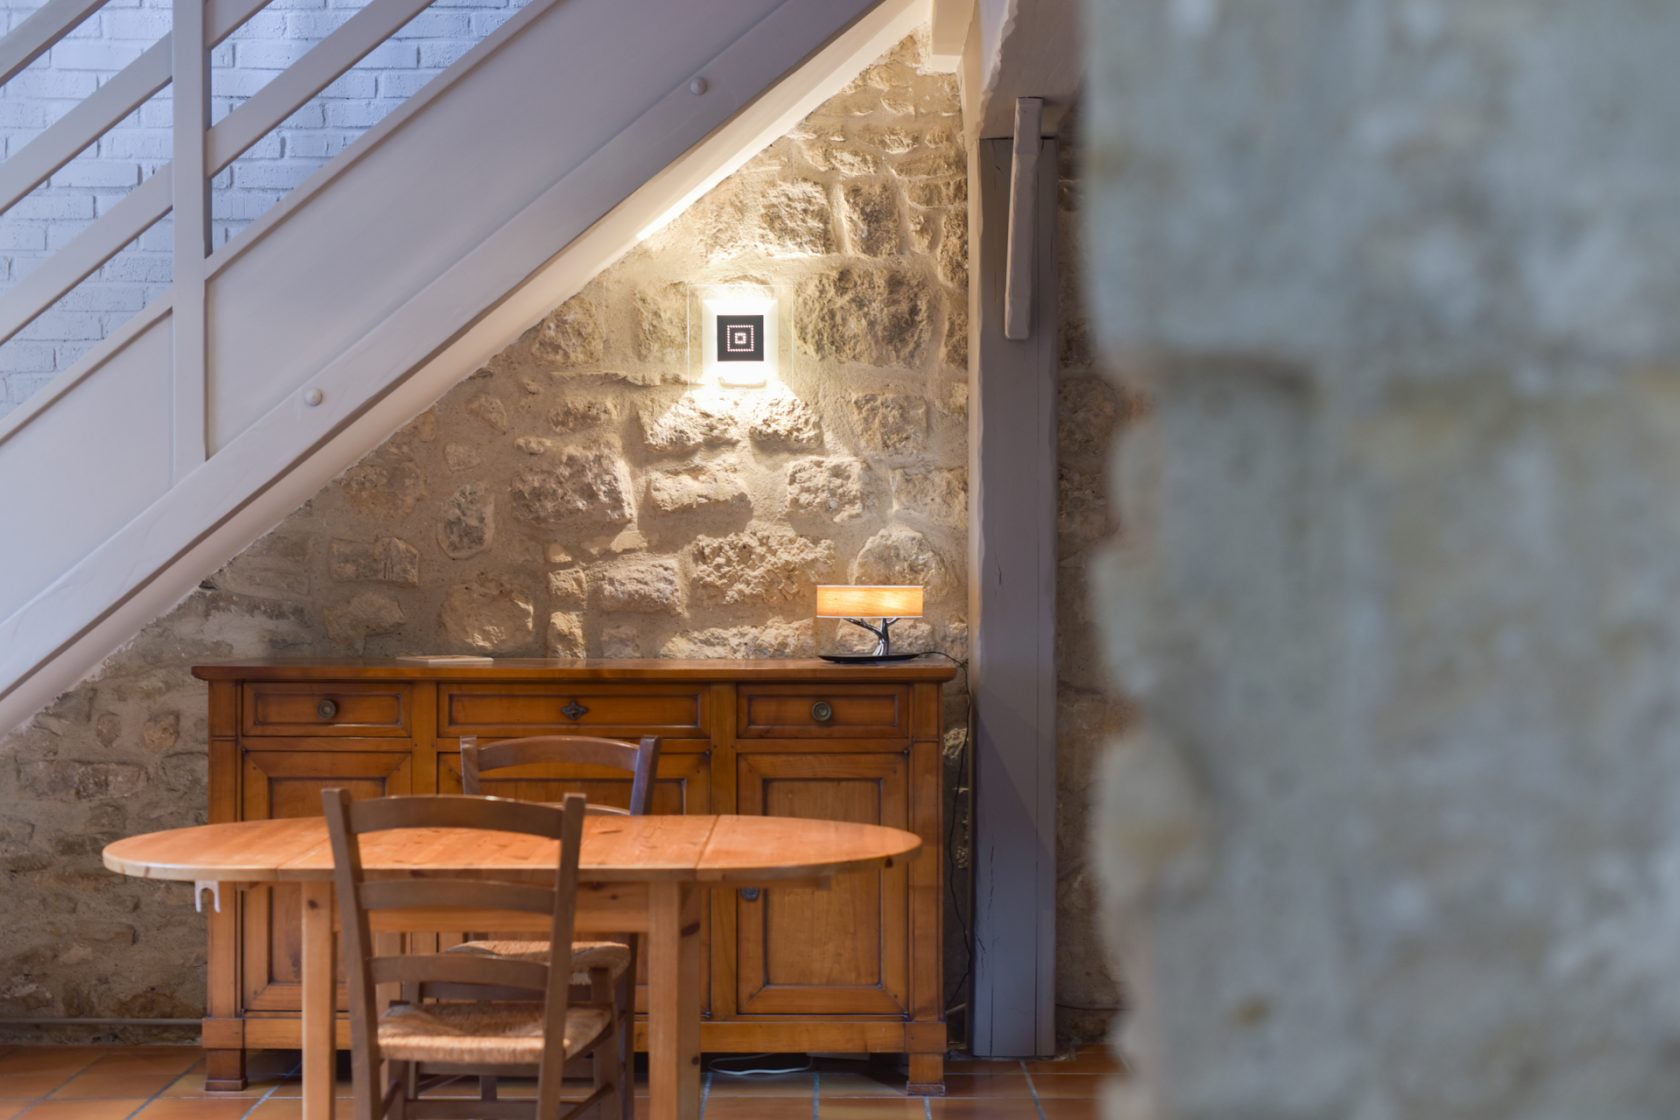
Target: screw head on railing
{"points": [[313, 397], [697, 86]]}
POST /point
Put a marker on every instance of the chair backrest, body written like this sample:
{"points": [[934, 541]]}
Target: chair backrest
{"points": [[452, 975], [639, 759]]}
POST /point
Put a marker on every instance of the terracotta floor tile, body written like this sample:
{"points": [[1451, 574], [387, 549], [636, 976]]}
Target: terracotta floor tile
{"points": [[1070, 1108], [195, 1108], [975, 1067], [293, 1087], [191, 1084], [872, 1108], [35, 1059], [33, 1085], [982, 1108], [1090, 1059], [84, 1110], [1008, 1085], [120, 1084], [801, 1085], [276, 1108], [1071, 1086], [757, 1108], [878, 1083]]}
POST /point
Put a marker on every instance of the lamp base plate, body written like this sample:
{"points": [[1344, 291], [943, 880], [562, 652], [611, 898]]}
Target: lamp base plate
{"points": [[865, 658]]}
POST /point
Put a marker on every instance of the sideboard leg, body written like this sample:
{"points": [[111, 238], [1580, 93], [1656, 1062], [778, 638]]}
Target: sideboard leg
{"points": [[927, 1075], [224, 1071]]}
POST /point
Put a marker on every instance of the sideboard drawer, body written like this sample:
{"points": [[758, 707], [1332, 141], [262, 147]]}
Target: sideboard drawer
{"points": [[326, 708], [506, 710], [807, 712]]}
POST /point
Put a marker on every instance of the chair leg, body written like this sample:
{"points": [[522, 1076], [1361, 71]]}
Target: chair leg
{"points": [[606, 1059], [625, 1006]]}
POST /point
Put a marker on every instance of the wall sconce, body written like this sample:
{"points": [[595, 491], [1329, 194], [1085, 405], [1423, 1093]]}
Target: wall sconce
{"points": [[740, 336], [853, 603]]}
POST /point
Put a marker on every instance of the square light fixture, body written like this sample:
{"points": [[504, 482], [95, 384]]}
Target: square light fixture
{"points": [[740, 336]]}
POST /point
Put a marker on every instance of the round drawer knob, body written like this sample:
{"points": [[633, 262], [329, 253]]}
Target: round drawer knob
{"points": [[327, 709], [822, 711], [750, 894]]}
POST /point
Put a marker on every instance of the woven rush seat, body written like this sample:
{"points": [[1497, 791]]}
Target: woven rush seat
{"points": [[476, 1033], [613, 956]]}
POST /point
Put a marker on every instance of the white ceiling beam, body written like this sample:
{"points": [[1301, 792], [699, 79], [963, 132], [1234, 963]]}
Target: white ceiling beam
{"points": [[1016, 49], [948, 23]]}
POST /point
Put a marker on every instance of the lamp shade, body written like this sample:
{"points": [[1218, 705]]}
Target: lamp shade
{"points": [[847, 601]]}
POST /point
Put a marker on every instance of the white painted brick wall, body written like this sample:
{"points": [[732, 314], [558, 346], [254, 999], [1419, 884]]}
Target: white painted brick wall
{"points": [[99, 178]]}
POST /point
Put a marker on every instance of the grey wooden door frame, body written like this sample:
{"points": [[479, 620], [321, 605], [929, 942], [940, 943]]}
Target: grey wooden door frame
{"points": [[1012, 615]]}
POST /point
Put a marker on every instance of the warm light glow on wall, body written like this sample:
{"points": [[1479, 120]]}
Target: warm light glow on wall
{"points": [[841, 601]]}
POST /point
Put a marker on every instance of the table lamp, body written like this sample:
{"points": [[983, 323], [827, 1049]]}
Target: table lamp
{"points": [[854, 603]]}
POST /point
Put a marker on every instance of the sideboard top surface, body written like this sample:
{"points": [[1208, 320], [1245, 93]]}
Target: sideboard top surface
{"points": [[928, 668]]}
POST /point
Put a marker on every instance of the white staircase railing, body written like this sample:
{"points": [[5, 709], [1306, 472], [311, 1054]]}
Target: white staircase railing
{"points": [[447, 229]]}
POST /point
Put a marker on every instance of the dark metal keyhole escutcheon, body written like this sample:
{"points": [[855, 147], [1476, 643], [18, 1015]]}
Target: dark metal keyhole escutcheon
{"points": [[574, 711]]}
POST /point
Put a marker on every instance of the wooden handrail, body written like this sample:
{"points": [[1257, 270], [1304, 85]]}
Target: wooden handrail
{"points": [[35, 36]]}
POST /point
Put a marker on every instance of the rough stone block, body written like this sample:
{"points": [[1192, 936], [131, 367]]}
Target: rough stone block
{"points": [[386, 560], [640, 585], [572, 337], [370, 612], [565, 635], [871, 209], [588, 487], [703, 486], [836, 489], [765, 565], [873, 316], [901, 555], [784, 422], [696, 420], [467, 522], [893, 423], [489, 616], [939, 494]]}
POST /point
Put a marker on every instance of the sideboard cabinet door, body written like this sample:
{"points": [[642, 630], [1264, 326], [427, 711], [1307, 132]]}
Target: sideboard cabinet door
{"points": [[288, 783], [841, 950]]}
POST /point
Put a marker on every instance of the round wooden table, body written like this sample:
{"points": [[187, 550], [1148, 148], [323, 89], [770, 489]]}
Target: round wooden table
{"points": [[645, 875]]}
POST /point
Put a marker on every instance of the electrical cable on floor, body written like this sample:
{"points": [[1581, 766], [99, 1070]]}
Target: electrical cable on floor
{"points": [[965, 799], [717, 1066]]}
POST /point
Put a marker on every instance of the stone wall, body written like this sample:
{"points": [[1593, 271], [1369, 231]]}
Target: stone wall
{"points": [[99, 178], [1398, 588], [581, 495]]}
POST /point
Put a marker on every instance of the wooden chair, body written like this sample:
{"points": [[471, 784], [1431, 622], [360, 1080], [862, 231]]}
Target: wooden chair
{"points": [[641, 760], [466, 1014]]}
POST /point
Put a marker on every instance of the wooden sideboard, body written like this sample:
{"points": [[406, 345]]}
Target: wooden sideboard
{"points": [[853, 968]]}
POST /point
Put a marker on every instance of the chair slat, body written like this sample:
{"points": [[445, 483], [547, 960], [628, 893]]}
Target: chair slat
{"points": [[640, 759], [460, 968], [558, 748], [450, 894], [493, 814]]}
